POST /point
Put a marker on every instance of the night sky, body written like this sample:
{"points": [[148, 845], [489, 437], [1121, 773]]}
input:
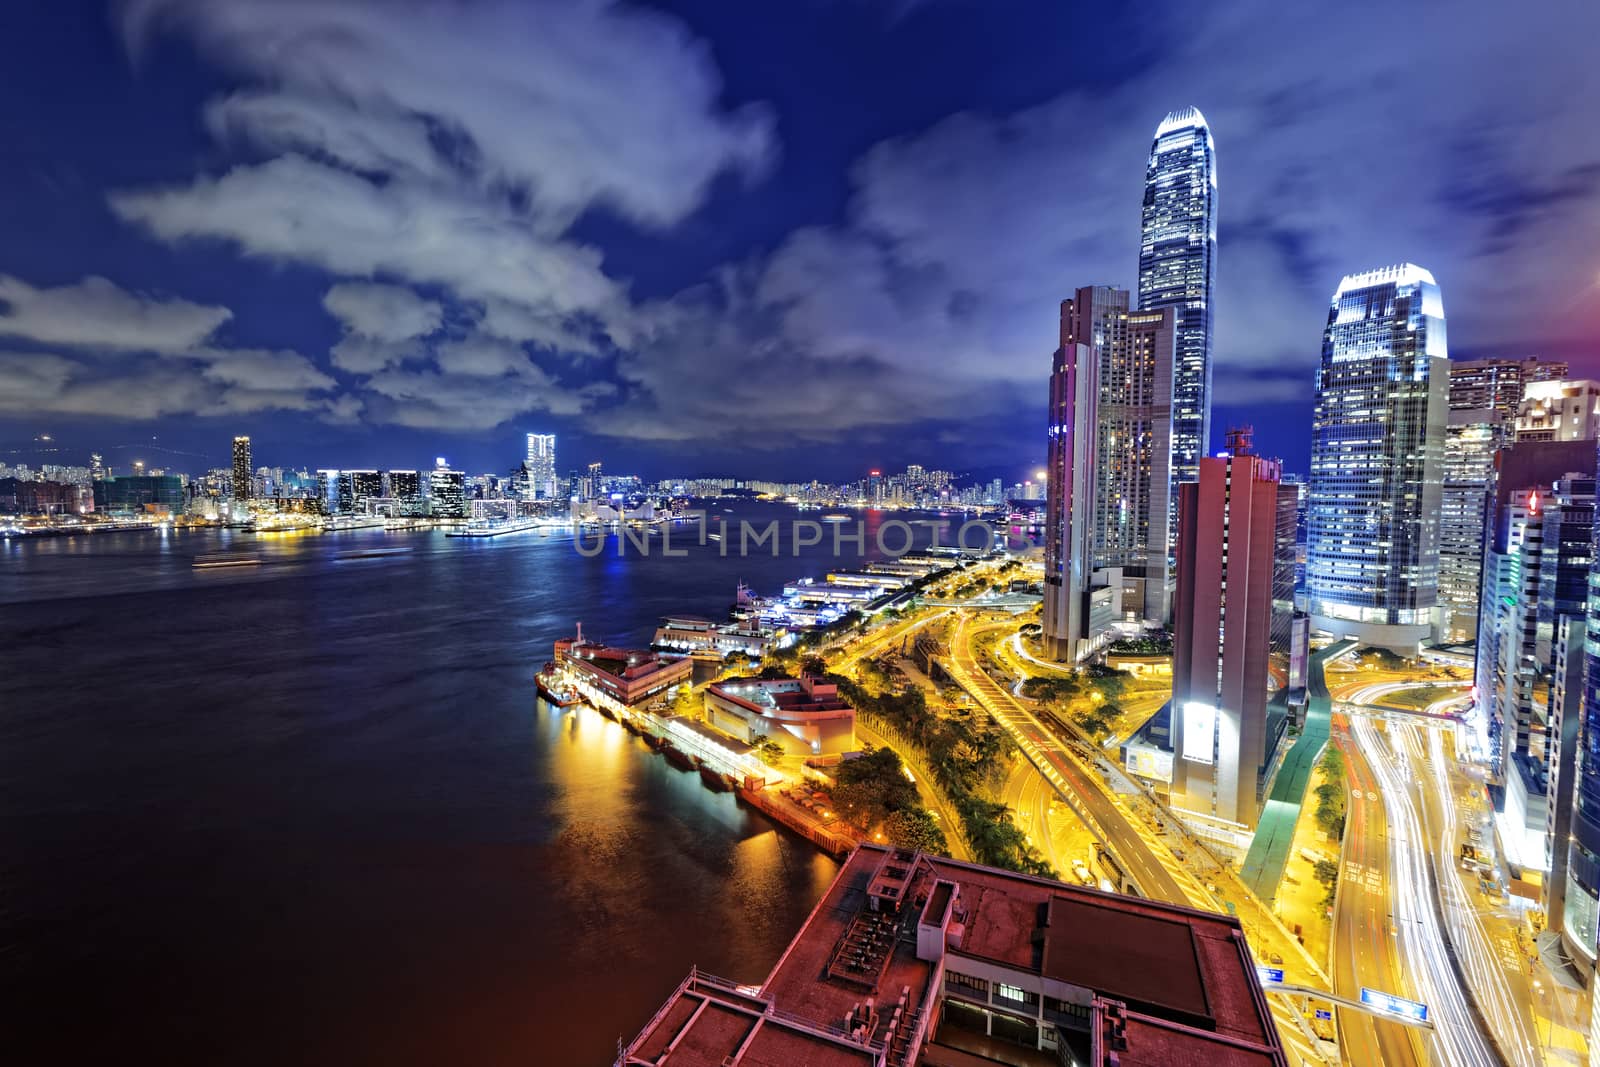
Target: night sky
{"points": [[725, 236]]}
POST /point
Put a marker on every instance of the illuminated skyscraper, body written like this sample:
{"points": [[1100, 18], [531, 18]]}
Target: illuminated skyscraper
{"points": [[241, 468], [1376, 440], [542, 465], [447, 491], [1069, 516], [1177, 269]]}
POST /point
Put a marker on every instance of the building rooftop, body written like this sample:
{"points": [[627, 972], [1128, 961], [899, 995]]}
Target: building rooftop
{"points": [[863, 980]]}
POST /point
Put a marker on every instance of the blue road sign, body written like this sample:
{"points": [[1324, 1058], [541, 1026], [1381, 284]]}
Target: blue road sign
{"points": [[1323, 1013], [1270, 975], [1390, 1004]]}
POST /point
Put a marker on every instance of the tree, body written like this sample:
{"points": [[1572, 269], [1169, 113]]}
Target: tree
{"points": [[768, 751], [915, 828], [813, 665], [774, 671]]}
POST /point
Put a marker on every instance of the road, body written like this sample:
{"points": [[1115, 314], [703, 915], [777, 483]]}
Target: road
{"points": [[1409, 890], [1364, 951]]}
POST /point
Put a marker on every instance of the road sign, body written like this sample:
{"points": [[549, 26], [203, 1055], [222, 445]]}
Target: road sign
{"points": [[1390, 1004], [1323, 1013], [1270, 975]]}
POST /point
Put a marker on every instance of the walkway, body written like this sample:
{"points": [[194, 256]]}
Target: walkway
{"points": [[1269, 852]]}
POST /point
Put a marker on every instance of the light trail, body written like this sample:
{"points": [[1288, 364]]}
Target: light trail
{"points": [[1456, 1039]]}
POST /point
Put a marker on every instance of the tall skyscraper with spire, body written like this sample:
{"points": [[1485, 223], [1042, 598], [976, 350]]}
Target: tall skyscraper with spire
{"points": [[1177, 269]]}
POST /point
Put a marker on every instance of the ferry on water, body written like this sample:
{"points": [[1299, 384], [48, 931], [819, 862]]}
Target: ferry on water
{"points": [[552, 690]]}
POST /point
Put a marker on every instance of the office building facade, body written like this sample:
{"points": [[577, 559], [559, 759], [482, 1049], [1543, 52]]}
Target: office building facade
{"points": [[1227, 563], [1498, 384], [1580, 903], [1377, 440], [447, 491], [1472, 435], [541, 466], [1177, 270]]}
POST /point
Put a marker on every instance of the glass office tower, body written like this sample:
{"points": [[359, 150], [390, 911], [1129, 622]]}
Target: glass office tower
{"points": [[1177, 269], [1377, 438]]}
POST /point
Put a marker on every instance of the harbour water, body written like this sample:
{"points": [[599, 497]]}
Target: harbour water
{"points": [[311, 811]]}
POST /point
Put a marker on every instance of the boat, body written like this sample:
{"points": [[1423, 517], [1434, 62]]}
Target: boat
{"points": [[676, 757], [552, 691], [835, 517], [715, 779], [225, 559]]}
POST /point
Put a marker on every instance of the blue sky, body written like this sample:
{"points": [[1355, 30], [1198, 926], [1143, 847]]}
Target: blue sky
{"points": [[706, 237]]}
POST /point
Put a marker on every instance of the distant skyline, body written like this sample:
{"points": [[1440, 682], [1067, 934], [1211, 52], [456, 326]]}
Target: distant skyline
{"points": [[369, 240]]}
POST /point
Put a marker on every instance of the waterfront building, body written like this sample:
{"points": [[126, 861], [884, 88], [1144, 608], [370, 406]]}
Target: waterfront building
{"points": [[1372, 569], [1177, 270], [151, 494], [405, 489], [327, 487], [692, 634], [1498, 384], [241, 468], [447, 491], [805, 715], [1472, 435], [360, 488], [1227, 564], [628, 676], [1559, 411], [912, 959], [541, 466]]}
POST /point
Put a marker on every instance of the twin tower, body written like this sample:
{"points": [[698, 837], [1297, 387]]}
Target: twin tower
{"points": [[1130, 406]]}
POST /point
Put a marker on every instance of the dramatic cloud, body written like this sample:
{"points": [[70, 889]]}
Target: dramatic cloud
{"points": [[574, 102], [449, 148], [141, 358], [95, 313]]}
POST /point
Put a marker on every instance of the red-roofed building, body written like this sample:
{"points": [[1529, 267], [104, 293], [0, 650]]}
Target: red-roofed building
{"points": [[631, 676], [915, 960]]}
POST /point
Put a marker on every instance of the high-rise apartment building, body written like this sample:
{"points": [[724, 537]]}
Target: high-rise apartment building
{"points": [[1377, 439], [1069, 514], [447, 491], [1133, 353], [1177, 269], [241, 468], [541, 465], [1228, 547], [1558, 410]]}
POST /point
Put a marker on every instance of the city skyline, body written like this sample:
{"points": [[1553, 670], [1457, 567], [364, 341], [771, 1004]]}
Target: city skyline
{"points": [[162, 289]]}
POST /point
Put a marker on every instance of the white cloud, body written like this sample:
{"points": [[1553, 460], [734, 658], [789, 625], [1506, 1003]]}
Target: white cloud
{"points": [[383, 312], [97, 313]]}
